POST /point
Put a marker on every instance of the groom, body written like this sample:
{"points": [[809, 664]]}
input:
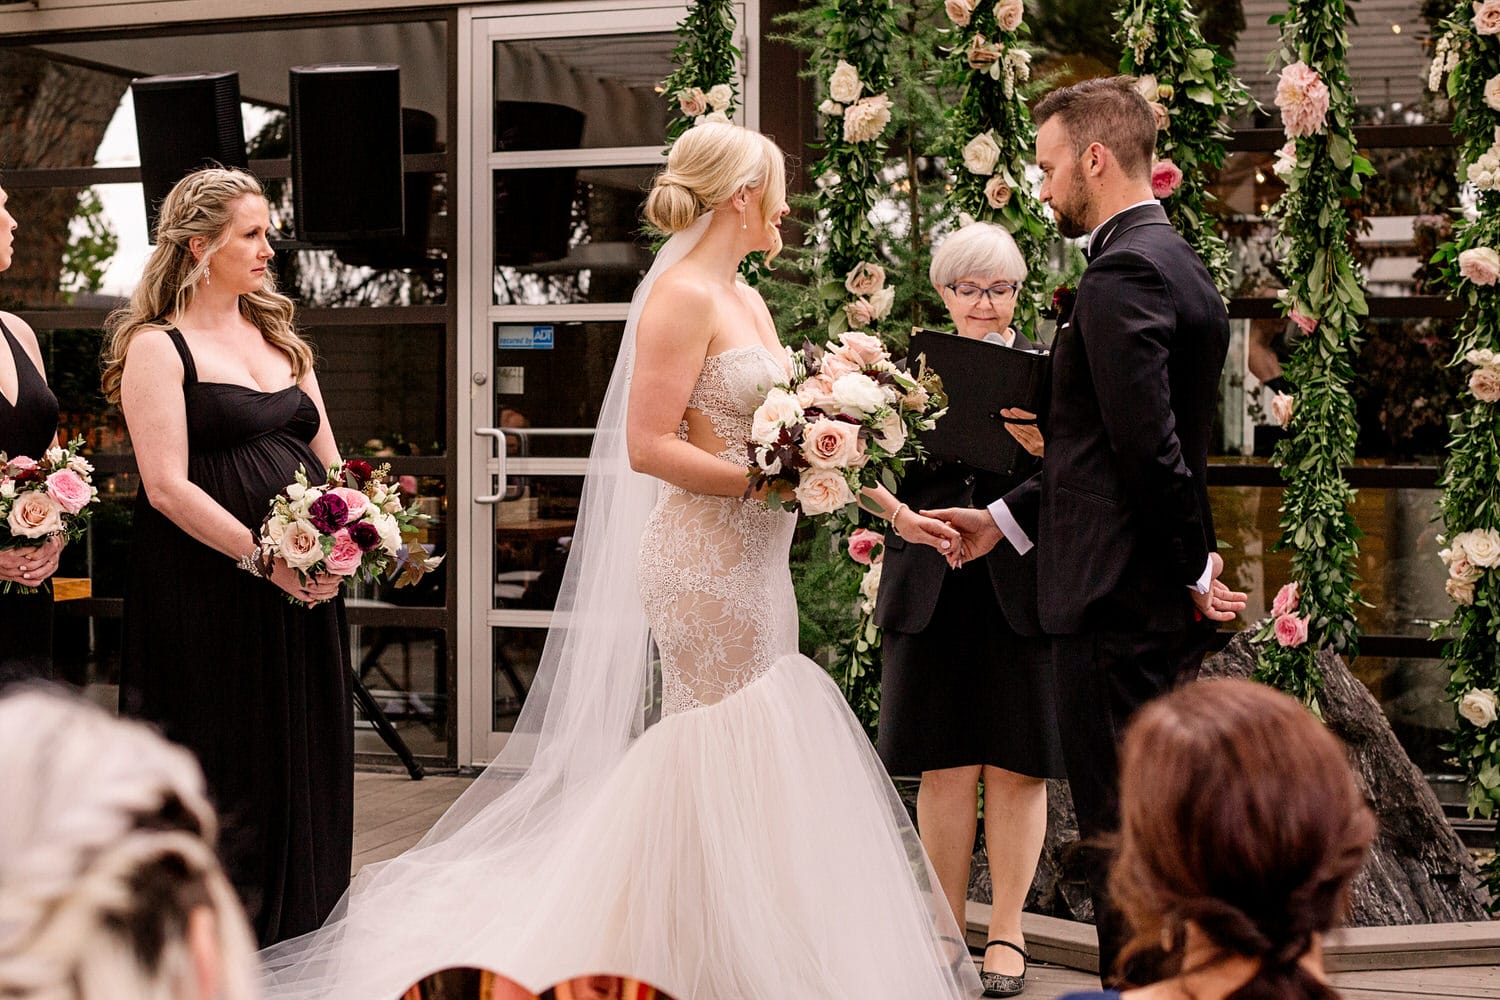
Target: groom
{"points": [[1127, 572]]}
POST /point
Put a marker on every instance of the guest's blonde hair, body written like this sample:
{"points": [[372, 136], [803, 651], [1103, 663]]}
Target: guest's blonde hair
{"points": [[200, 205], [106, 849], [707, 165]]}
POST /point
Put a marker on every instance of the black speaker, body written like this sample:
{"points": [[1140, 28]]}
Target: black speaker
{"points": [[534, 207], [347, 178], [419, 134], [184, 122]]}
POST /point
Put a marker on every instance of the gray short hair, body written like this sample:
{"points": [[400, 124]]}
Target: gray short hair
{"points": [[976, 249]]}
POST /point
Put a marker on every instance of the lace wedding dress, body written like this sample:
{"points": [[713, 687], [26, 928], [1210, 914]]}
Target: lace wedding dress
{"points": [[747, 846]]}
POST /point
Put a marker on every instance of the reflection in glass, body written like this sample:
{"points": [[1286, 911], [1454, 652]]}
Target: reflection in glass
{"points": [[517, 653], [608, 82], [384, 387], [533, 530], [405, 669], [561, 385], [574, 238]]}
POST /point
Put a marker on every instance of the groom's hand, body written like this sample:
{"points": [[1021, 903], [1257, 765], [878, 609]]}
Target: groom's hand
{"points": [[1220, 604], [977, 528]]}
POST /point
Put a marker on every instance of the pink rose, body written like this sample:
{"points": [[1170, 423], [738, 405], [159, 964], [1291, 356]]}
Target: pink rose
{"points": [[859, 313], [22, 464], [832, 444], [959, 11], [34, 515], [1480, 265], [1302, 97], [1464, 571], [1008, 14], [692, 101], [862, 545], [1283, 405], [837, 364], [865, 279], [1286, 601], [69, 490], [982, 53], [1461, 591], [1291, 631], [1165, 177], [345, 557], [1307, 324], [355, 500], [863, 347], [823, 491], [1487, 17], [1484, 383], [996, 192], [815, 391]]}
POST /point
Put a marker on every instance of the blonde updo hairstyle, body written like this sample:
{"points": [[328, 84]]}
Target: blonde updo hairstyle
{"points": [[202, 204], [106, 850], [707, 165]]}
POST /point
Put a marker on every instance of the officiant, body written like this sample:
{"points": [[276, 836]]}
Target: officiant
{"points": [[966, 689]]}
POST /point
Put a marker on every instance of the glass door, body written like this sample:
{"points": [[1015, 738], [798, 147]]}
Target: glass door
{"points": [[566, 136]]}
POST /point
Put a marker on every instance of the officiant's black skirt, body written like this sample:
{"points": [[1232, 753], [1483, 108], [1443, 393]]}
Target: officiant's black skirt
{"points": [[967, 690]]}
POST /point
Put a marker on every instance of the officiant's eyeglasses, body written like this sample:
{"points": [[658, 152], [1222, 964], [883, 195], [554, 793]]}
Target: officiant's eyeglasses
{"points": [[971, 293]]}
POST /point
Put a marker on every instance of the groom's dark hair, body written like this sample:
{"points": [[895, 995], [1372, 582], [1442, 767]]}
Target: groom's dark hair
{"points": [[1109, 111]]}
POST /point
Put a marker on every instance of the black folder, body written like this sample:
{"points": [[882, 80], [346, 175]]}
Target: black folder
{"points": [[981, 379]]}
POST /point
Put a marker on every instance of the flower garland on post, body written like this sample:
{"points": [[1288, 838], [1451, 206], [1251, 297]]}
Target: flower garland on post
{"points": [[1194, 91], [989, 134], [1325, 300], [702, 87], [1466, 66]]}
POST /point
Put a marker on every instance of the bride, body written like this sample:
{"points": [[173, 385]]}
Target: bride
{"points": [[747, 846]]}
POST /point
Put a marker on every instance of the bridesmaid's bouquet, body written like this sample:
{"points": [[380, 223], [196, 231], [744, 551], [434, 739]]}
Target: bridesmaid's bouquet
{"points": [[352, 524], [43, 498], [848, 418]]}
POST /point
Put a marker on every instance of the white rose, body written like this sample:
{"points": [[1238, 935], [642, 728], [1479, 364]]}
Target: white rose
{"points": [[1479, 707], [831, 107], [844, 85], [300, 547], [857, 394], [1492, 92], [275, 529], [81, 465], [869, 587], [719, 96], [1482, 356], [712, 116], [866, 118], [823, 491], [779, 410], [8, 489], [56, 457], [1482, 546], [390, 532], [981, 154], [890, 432], [880, 303], [295, 492], [769, 464]]}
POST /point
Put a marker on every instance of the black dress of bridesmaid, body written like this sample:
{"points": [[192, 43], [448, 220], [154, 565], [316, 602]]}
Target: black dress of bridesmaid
{"points": [[27, 426], [257, 687]]}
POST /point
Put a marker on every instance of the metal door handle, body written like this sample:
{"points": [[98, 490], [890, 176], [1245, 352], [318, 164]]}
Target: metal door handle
{"points": [[498, 483]]}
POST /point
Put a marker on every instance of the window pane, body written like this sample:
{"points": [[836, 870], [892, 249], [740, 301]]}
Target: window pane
{"points": [[405, 670], [384, 387]]}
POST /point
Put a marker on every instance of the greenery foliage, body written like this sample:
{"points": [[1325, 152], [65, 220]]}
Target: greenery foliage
{"points": [[1325, 299], [703, 84], [1196, 87], [1466, 65], [988, 137]]}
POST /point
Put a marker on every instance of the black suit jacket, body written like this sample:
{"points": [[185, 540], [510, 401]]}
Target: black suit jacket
{"points": [[1119, 512], [911, 576]]}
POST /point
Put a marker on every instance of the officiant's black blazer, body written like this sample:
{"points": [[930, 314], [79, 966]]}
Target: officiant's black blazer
{"points": [[911, 576], [1119, 512]]}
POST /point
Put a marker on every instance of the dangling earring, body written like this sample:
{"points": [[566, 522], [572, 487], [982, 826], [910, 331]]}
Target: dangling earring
{"points": [[207, 275], [742, 218]]}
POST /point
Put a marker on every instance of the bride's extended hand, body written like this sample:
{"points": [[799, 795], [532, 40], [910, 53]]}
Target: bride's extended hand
{"points": [[919, 530]]}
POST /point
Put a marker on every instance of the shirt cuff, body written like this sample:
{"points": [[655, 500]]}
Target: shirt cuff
{"points": [[1009, 528], [1201, 586]]}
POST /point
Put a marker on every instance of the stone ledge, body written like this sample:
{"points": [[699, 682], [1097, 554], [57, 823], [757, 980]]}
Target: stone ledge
{"points": [[1414, 946]]}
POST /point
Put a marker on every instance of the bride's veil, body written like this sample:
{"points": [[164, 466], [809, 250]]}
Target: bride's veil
{"points": [[588, 702]]}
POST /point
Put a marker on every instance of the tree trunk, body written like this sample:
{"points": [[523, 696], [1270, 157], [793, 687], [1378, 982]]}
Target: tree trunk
{"points": [[52, 114]]}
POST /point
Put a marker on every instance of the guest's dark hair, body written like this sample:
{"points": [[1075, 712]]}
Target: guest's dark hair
{"points": [[1109, 111], [1240, 814]]}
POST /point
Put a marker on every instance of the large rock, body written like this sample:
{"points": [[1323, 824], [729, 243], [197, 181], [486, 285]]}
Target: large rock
{"points": [[1418, 872]]}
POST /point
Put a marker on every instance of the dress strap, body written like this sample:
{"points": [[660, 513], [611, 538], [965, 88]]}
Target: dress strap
{"points": [[26, 370], [189, 370]]}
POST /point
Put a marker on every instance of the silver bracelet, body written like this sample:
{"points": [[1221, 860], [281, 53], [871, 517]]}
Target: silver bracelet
{"points": [[248, 563]]}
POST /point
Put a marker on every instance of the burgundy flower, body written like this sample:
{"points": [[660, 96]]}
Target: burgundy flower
{"points": [[359, 470], [1062, 300], [32, 474], [365, 535], [328, 513]]}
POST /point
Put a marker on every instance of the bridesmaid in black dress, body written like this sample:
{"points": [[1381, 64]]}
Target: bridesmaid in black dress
{"points": [[966, 690], [28, 426], [223, 408]]}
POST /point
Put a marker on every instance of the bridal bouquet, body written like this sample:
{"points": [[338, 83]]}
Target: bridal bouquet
{"points": [[848, 418], [39, 499], [351, 524]]}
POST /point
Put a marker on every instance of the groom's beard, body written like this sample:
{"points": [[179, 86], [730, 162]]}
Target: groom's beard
{"points": [[1071, 212]]}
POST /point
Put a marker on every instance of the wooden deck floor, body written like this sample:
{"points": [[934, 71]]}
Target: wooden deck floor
{"points": [[391, 812]]}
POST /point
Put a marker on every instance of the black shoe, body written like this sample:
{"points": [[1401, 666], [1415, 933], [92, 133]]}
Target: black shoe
{"points": [[998, 984]]}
